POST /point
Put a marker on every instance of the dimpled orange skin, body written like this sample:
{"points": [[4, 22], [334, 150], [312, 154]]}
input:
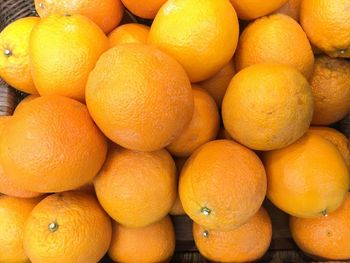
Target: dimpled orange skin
{"points": [[267, 106], [80, 230], [335, 137], [325, 237], [147, 104], [51, 145], [13, 215], [251, 9], [25, 101], [137, 188], [330, 84], [201, 34], [203, 127], [275, 39], [15, 39], [222, 185], [128, 33], [327, 25], [153, 243], [145, 9], [291, 8], [218, 84], [247, 243], [63, 50], [308, 178], [105, 13]]}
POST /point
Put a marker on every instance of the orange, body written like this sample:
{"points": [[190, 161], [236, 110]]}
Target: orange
{"points": [[308, 178], [267, 106], [217, 84], [51, 145], [325, 237], [7, 186], [291, 8], [137, 188], [247, 243], [335, 137], [203, 127], [251, 9], [14, 58], [153, 243], [13, 215], [145, 9], [63, 50], [330, 84], [128, 33], [147, 104], [105, 13], [222, 185], [327, 24], [67, 227], [275, 39], [201, 35], [25, 101]]}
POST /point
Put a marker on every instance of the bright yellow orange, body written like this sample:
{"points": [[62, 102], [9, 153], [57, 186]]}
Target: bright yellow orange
{"points": [[252, 9], [53, 137], [335, 137], [67, 227], [203, 127], [201, 35], [105, 13], [325, 237], [147, 104], [308, 178], [145, 9], [247, 243], [137, 188], [153, 243], [218, 84], [327, 25], [63, 50], [291, 8], [267, 106], [330, 84], [128, 33], [275, 39], [13, 215], [25, 101], [222, 170], [14, 58]]}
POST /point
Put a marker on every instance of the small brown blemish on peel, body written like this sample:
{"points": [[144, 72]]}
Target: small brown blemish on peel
{"points": [[205, 211], [205, 233], [7, 52], [53, 227]]}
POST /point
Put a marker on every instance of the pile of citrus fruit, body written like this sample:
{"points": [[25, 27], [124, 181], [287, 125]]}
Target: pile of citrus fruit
{"points": [[206, 111]]}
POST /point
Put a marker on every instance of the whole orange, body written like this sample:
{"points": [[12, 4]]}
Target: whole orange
{"points": [[153, 243], [335, 137], [201, 35], [308, 178], [145, 9], [137, 188], [147, 104], [203, 127], [330, 84], [51, 145], [128, 33], [14, 58], [275, 39], [327, 25], [325, 237], [252, 9], [67, 227], [218, 84], [63, 50], [13, 215], [247, 243], [222, 185], [105, 13], [267, 106]]}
